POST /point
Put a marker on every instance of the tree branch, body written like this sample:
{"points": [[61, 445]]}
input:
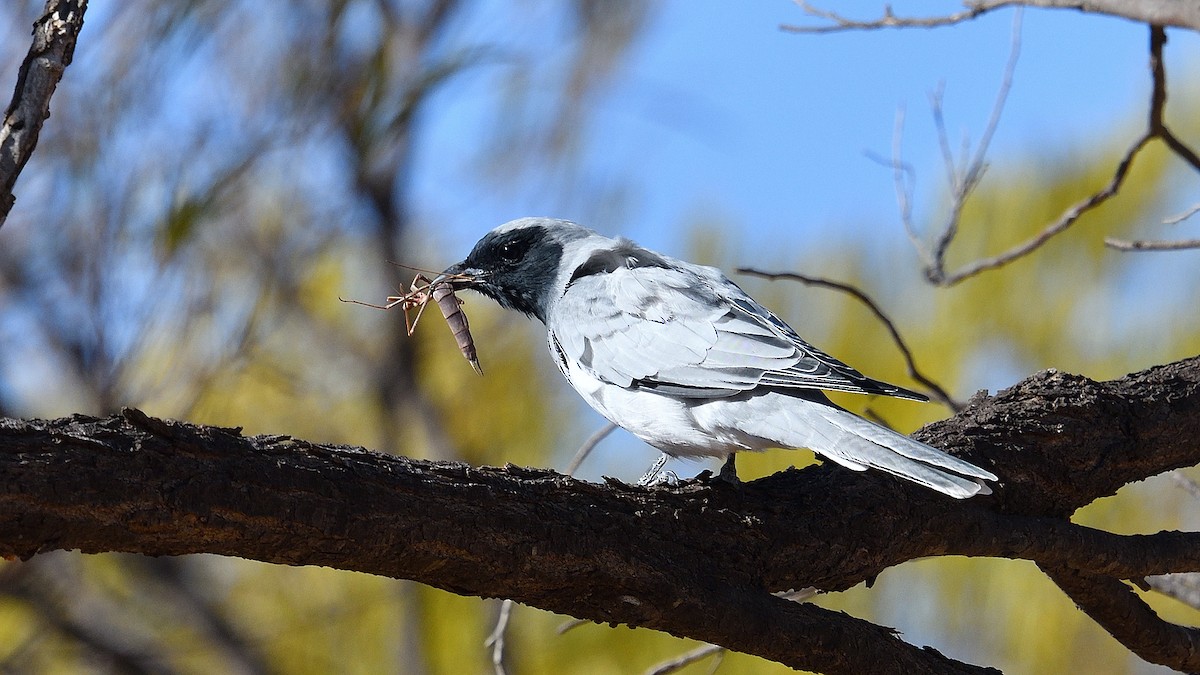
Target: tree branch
{"points": [[1151, 245], [53, 47], [1119, 610], [1156, 127], [963, 180], [936, 391], [1183, 586], [1158, 12], [698, 560]]}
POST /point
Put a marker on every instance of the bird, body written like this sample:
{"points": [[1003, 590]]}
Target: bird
{"points": [[680, 356]]}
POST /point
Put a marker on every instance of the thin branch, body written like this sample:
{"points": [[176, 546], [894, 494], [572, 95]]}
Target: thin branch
{"points": [[936, 391], [1156, 128], [1175, 220], [688, 658], [904, 182], [1158, 100], [1178, 14], [1183, 586], [839, 23], [964, 180], [587, 447], [54, 36], [1151, 244], [1186, 483], [1066, 220], [939, 123], [496, 639], [1179, 148]]}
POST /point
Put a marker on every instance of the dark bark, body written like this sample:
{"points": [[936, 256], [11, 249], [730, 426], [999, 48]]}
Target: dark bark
{"points": [[53, 47], [697, 560]]}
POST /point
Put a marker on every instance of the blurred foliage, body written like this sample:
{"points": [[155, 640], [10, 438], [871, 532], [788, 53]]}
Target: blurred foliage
{"points": [[220, 172]]}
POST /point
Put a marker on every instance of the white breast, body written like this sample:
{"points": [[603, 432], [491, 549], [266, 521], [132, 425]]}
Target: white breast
{"points": [[665, 422]]}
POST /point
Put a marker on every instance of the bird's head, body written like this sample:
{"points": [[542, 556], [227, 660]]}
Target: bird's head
{"points": [[517, 264]]}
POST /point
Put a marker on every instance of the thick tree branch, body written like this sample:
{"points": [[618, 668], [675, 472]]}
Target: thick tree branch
{"points": [[698, 560], [1116, 607], [54, 37]]}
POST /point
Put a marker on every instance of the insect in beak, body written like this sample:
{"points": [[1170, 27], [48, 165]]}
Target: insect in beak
{"points": [[441, 291]]}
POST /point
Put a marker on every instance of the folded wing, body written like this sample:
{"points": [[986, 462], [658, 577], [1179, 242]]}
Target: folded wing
{"points": [[689, 331]]}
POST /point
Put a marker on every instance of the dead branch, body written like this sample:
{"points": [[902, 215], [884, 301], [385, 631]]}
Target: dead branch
{"points": [[1177, 14], [936, 391], [54, 36], [1183, 586], [1151, 245], [688, 658], [1175, 220], [963, 180]]}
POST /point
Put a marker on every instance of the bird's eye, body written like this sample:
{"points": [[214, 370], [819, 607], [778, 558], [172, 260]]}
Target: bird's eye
{"points": [[510, 252]]}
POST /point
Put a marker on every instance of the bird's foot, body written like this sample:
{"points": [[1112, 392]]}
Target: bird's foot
{"points": [[665, 479], [651, 475]]}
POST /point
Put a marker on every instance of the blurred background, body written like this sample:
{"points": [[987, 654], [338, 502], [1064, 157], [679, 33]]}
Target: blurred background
{"points": [[216, 173]]}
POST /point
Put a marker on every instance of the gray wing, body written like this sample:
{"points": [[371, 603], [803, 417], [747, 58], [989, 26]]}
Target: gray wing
{"points": [[689, 331]]}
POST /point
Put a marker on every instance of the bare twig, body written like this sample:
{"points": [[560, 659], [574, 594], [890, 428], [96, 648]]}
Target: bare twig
{"points": [[1156, 124], [936, 391], [1178, 14], [496, 639], [570, 625], [1183, 586], [963, 180], [1175, 220], [1186, 483], [1156, 128], [1151, 244], [1066, 220], [904, 180], [839, 23], [54, 36], [586, 449], [688, 658]]}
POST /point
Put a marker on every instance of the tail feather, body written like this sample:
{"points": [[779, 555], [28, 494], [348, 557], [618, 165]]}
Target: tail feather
{"points": [[859, 444]]}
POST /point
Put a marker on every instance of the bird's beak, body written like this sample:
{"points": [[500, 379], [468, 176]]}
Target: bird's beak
{"points": [[459, 276]]}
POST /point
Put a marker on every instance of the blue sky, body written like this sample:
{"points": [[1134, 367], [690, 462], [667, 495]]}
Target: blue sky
{"points": [[719, 112]]}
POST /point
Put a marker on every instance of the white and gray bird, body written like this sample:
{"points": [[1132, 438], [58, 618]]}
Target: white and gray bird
{"points": [[682, 358]]}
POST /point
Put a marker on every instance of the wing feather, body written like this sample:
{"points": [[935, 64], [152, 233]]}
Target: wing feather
{"points": [[690, 331]]}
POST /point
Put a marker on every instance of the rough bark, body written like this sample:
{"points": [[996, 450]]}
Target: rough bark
{"points": [[697, 560], [54, 36]]}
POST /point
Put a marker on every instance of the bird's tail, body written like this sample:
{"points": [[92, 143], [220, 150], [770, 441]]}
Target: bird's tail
{"points": [[859, 444]]}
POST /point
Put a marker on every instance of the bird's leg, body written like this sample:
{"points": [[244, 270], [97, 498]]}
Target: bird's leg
{"points": [[652, 473], [729, 471]]}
